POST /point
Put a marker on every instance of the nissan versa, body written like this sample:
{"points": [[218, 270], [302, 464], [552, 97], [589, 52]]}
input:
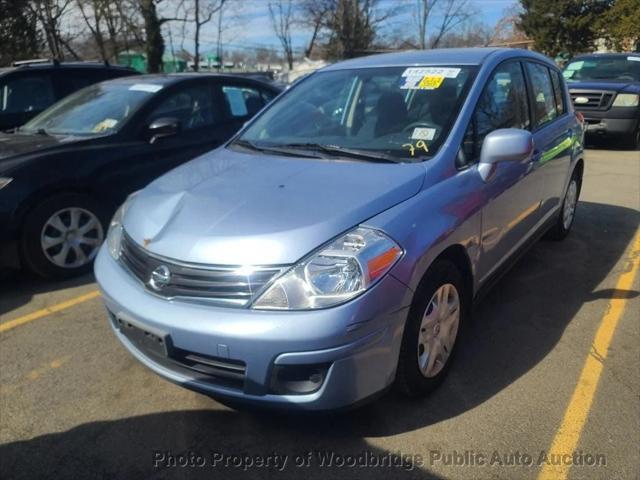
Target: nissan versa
{"points": [[334, 246]]}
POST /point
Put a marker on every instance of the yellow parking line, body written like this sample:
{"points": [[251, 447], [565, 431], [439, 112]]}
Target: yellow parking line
{"points": [[16, 322], [575, 417]]}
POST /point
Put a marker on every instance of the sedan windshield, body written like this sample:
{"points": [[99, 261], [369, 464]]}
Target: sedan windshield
{"points": [[377, 114], [620, 69], [96, 110]]}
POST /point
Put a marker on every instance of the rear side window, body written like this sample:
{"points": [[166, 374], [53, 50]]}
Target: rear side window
{"points": [[558, 91], [26, 93], [242, 101], [544, 100], [503, 104]]}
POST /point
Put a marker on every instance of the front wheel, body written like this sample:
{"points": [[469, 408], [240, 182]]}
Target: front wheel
{"points": [[432, 331], [62, 235], [564, 222]]}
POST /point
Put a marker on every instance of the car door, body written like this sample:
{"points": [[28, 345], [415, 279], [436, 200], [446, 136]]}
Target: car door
{"points": [[512, 207], [553, 133], [198, 109], [196, 106], [23, 95]]}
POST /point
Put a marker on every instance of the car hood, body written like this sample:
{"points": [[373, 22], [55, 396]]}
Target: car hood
{"points": [[15, 147], [231, 208], [631, 87]]}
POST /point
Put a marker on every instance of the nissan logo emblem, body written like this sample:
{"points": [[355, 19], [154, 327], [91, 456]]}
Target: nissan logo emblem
{"points": [[160, 277]]}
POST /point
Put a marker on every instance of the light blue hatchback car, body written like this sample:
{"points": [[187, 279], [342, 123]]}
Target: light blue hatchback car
{"points": [[335, 246]]}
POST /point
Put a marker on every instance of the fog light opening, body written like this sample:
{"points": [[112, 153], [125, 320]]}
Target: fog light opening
{"points": [[297, 379]]}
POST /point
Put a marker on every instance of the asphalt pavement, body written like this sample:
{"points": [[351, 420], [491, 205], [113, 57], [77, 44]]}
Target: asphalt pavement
{"points": [[548, 365]]}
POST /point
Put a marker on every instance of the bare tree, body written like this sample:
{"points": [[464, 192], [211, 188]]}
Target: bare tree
{"points": [[314, 16], [154, 42], [198, 13], [50, 14], [282, 16], [454, 14], [423, 12]]}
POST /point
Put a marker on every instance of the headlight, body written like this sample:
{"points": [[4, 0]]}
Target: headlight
{"points": [[626, 100], [115, 232], [4, 181], [335, 274]]}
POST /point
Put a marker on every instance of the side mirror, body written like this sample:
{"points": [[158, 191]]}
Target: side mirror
{"points": [[163, 127], [504, 145]]}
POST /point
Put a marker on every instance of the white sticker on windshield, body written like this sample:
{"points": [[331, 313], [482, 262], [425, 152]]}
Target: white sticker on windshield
{"points": [[633, 59], [145, 87], [421, 133], [446, 72], [568, 73], [575, 65]]}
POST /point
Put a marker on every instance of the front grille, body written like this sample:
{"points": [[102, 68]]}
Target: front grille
{"points": [[596, 100], [230, 286]]}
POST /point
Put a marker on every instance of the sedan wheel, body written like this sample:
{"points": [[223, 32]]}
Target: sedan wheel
{"points": [[71, 237], [61, 235], [438, 330]]}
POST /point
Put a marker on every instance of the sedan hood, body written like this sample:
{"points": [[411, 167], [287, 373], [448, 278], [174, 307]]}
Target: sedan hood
{"points": [[231, 208]]}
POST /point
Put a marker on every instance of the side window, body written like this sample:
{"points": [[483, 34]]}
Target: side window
{"points": [[26, 93], [268, 95], [558, 90], [503, 104], [544, 100], [242, 101], [193, 106]]}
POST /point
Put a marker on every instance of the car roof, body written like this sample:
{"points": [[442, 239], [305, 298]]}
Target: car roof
{"points": [[63, 65], [440, 56], [166, 79]]}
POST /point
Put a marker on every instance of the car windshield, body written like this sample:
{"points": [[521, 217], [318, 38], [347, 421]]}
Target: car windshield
{"points": [[397, 114], [100, 109], [619, 69]]}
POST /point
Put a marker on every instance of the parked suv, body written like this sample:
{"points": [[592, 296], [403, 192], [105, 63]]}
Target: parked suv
{"points": [[605, 88], [335, 245], [29, 87]]}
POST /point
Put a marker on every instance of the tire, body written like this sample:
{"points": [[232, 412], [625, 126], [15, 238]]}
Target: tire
{"points": [[48, 230], [415, 377], [567, 215], [634, 142]]}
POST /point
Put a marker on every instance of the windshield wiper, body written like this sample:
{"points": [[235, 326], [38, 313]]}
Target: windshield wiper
{"points": [[343, 152], [282, 150]]}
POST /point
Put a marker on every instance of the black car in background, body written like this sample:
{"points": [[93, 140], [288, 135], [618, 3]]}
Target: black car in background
{"points": [[63, 173], [605, 88], [29, 87]]}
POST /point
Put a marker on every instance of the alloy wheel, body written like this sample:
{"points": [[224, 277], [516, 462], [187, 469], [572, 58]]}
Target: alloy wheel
{"points": [[71, 237]]}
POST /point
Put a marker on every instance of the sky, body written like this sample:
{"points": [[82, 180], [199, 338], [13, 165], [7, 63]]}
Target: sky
{"points": [[248, 25]]}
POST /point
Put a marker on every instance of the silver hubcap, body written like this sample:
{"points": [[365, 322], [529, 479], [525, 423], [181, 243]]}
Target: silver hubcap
{"points": [[71, 237], [570, 201], [438, 330]]}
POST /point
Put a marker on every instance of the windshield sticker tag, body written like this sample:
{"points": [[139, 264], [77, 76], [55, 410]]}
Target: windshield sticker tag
{"points": [[633, 59], [420, 133], [105, 124], [568, 73], [575, 65], [145, 87], [420, 72], [431, 82]]}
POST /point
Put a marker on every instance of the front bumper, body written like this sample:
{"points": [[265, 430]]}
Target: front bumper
{"points": [[358, 342], [614, 122]]}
